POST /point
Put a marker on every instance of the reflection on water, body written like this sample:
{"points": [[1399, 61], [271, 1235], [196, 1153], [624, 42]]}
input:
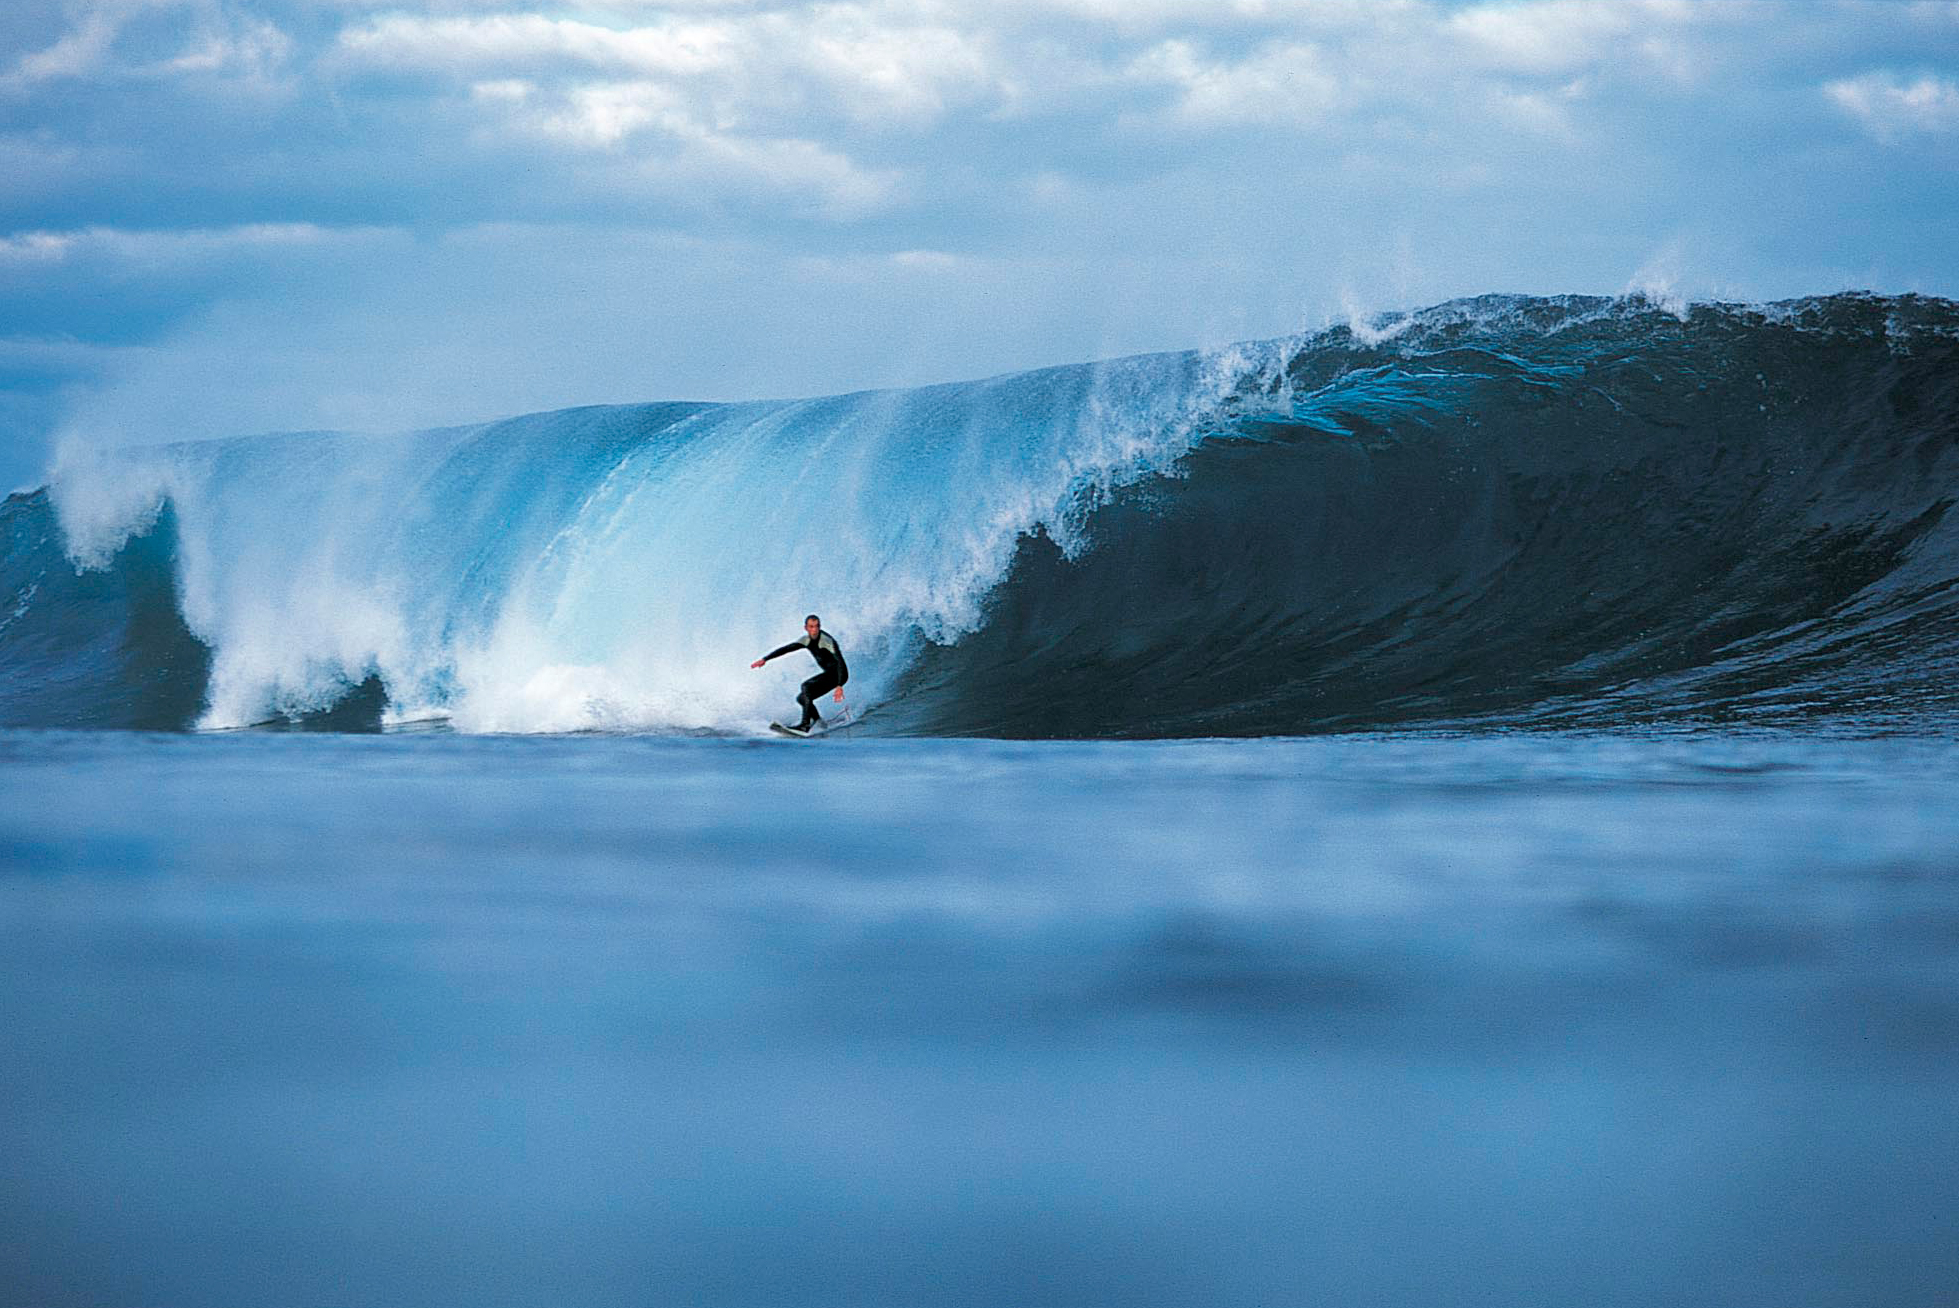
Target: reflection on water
{"points": [[1574, 1019]]}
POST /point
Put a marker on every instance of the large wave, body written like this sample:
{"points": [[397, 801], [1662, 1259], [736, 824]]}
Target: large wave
{"points": [[1503, 510]]}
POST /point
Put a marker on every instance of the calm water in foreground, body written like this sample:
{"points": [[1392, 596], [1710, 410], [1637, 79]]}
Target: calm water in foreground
{"points": [[594, 1021]]}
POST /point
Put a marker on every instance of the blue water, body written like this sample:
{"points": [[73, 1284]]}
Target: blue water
{"points": [[1501, 511], [1451, 810], [1632, 1017]]}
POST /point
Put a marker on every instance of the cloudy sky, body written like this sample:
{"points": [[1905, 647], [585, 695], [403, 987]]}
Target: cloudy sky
{"points": [[222, 216]]}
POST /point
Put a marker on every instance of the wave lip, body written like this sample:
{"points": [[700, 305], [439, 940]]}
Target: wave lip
{"points": [[617, 568], [103, 647], [1504, 511], [1516, 512]]}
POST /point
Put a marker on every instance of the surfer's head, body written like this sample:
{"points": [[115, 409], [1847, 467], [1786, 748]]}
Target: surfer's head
{"points": [[812, 624]]}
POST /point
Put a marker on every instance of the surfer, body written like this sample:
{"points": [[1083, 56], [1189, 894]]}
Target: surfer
{"points": [[824, 649]]}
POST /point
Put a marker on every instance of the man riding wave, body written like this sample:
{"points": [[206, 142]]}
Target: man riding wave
{"points": [[828, 654]]}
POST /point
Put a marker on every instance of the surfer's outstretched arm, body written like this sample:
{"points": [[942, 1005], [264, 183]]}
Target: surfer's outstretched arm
{"points": [[790, 648]]}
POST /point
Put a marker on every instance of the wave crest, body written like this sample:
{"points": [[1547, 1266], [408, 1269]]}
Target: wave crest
{"points": [[1499, 510]]}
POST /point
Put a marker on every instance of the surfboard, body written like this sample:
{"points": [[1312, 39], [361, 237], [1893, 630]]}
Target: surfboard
{"points": [[824, 726]]}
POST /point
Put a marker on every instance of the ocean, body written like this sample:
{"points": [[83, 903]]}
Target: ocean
{"points": [[1454, 809]]}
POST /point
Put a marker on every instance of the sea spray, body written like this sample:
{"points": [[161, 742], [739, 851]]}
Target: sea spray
{"points": [[616, 568], [1503, 510]]}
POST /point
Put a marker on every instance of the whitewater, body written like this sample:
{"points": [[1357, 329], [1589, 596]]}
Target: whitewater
{"points": [[1455, 808], [613, 568], [1498, 509]]}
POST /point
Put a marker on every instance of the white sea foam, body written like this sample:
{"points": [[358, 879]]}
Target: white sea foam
{"points": [[618, 569]]}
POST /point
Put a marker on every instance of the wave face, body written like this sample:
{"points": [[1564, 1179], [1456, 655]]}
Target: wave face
{"points": [[1501, 511]]}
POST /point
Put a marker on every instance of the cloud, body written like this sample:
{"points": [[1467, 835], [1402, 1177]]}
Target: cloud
{"points": [[35, 248], [735, 68], [723, 103], [658, 143], [1541, 113], [1682, 40], [156, 39], [82, 51], [468, 44], [1182, 169], [595, 113], [1553, 38], [785, 112], [1891, 107], [169, 248], [249, 49], [937, 261], [841, 188], [913, 73], [1282, 83]]}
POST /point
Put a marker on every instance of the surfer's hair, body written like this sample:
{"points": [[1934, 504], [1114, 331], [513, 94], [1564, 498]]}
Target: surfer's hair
{"points": [[813, 618]]}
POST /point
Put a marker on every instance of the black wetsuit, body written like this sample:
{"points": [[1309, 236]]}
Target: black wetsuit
{"points": [[823, 647]]}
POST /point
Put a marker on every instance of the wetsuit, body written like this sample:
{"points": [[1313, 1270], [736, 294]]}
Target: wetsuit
{"points": [[823, 647]]}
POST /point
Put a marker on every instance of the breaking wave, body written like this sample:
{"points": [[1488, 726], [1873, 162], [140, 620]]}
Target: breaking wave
{"points": [[1501, 511]]}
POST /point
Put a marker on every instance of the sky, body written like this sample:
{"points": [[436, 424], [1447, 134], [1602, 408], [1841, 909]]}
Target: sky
{"points": [[220, 217]]}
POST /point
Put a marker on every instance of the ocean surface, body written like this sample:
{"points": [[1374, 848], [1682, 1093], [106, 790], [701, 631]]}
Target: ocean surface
{"points": [[1458, 808], [1570, 1018]]}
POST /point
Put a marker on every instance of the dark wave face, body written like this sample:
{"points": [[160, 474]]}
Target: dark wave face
{"points": [[1517, 512], [96, 648], [1496, 512]]}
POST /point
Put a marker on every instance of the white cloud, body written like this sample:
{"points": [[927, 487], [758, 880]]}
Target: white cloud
{"points": [[1538, 113], [1313, 137], [844, 57], [719, 105], [248, 48], [913, 73], [647, 134], [1555, 38], [934, 261], [1134, 16], [604, 114], [79, 53], [1561, 38], [509, 90], [218, 41], [840, 188], [1890, 106], [468, 44], [1282, 83], [178, 246], [35, 247]]}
